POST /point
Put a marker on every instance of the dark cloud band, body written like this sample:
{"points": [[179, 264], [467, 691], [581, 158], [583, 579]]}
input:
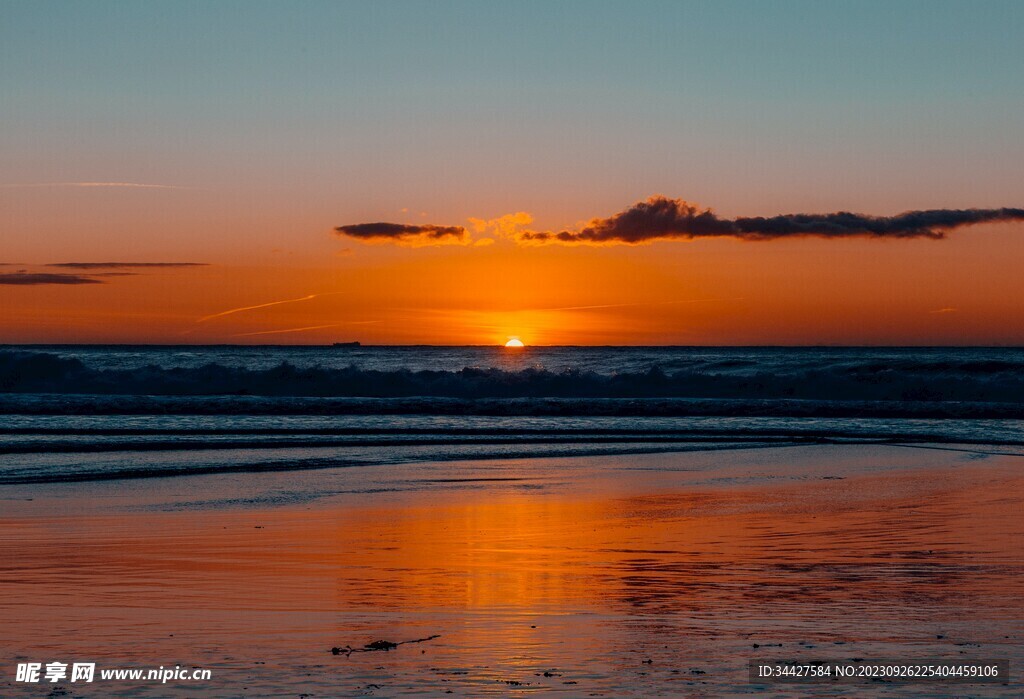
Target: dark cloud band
{"points": [[85, 272], [661, 218], [125, 265], [400, 232], [36, 279]]}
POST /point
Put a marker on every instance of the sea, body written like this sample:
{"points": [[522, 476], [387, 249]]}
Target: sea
{"points": [[91, 412]]}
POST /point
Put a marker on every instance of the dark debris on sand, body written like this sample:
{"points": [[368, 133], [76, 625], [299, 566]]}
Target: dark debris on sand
{"points": [[379, 645]]}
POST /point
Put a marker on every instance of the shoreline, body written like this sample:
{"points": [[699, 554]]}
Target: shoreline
{"points": [[83, 448], [739, 464]]}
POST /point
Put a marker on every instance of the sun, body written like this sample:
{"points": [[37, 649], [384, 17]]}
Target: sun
{"points": [[514, 342]]}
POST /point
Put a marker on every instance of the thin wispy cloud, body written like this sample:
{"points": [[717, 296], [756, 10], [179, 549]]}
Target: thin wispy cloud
{"points": [[660, 218], [124, 185], [126, 265], [639, 304]]}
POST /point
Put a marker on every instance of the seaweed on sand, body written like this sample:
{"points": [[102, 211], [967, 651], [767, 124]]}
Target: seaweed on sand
{"points": [[379, 645]]}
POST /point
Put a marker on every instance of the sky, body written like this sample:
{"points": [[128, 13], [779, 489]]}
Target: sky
{"points": [[240, 136]]}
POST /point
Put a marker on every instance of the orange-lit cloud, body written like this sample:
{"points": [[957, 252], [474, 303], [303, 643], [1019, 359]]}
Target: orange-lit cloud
{"points": [[508, 226]]}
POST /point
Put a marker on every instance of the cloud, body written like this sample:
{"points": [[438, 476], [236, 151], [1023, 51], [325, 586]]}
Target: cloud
{"points": [[661, 218], [507, 226], [125, 265], [35, 279], [931, 223], [426, 234], [94, 272], [127, 185]]}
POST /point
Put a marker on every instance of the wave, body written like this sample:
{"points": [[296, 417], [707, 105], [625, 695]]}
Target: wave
{"points": [[124, 461], [47, 441], [920, 380], [72, 405], [127, 465]]}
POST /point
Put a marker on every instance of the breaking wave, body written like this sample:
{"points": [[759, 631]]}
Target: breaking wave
{"points": [[917, 383], [96, 413]]}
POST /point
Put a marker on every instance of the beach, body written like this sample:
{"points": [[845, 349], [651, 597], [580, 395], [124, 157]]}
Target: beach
{"points": [[485, 348], [623, 575]]}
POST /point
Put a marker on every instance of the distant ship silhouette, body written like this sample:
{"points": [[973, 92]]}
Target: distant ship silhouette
{"points": [[347, 344]]}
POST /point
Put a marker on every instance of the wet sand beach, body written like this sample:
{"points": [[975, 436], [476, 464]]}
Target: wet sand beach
{"points": [[643, 575]]}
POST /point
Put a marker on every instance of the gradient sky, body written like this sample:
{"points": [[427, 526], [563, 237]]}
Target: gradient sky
{"points": [[268, 124]]}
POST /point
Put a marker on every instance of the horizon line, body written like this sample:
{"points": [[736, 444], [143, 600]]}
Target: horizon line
{"points": [[345, 346]]}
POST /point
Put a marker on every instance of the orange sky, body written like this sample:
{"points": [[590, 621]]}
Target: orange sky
{"points": [[240, 137], [963, 290]]}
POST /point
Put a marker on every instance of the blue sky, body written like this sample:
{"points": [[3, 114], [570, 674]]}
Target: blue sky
{"points": [[696, 98]]}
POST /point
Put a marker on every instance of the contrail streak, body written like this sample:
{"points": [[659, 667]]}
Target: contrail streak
{"points": [[310, 327], [290, 330], [641, 303], [265, 305]]}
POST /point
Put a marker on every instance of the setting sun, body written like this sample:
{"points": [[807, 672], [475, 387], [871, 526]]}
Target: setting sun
{"points": [[514, 342]]}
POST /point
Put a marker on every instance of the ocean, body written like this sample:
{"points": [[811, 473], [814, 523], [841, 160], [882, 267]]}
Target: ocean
{"points": [[78, 413]]}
